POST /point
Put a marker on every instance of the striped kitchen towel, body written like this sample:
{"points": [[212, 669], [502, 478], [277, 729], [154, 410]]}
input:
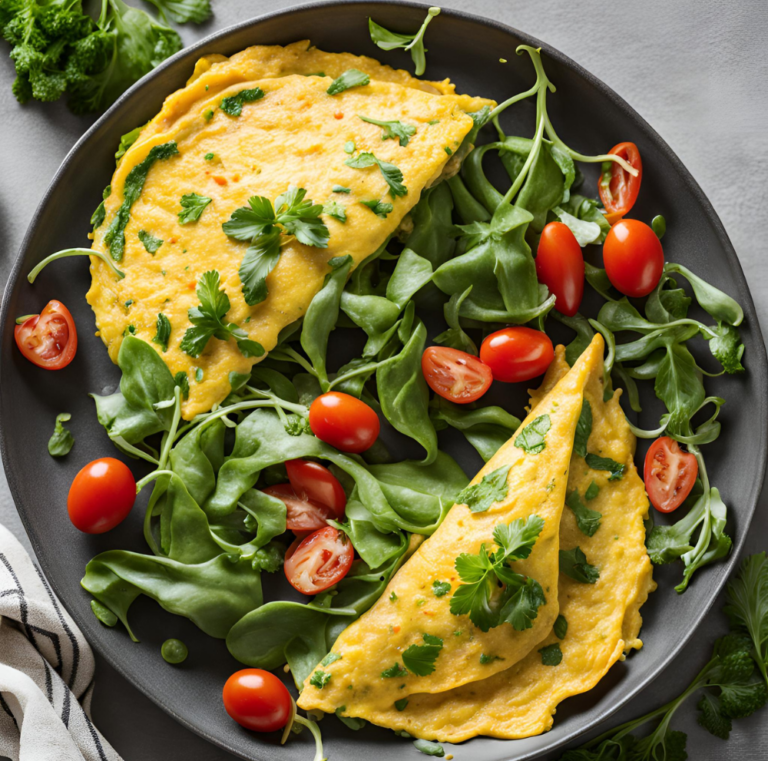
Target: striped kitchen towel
{"points": [[46, 670]]}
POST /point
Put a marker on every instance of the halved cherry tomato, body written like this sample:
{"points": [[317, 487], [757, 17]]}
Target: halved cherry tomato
{"points": [[618, 188], [633, 257], [517, 354], [315, 482], [303, 514], [455, 375], [257, 700], [48, 339], [344, 422], [101, 496], [669, 474], [319, 561], [560, 266]]}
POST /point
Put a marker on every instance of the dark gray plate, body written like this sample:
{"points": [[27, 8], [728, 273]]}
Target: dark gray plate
{"points": [[590, 117]]}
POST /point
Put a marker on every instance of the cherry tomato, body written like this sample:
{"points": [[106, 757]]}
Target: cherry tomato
{"points": [[455, 375], [517, 354], [303, 514], [315, 482], [101, 496], [257, 700], [319, 561], [344, 422], [669, 474], [560, 266], [48, 339], [633, 257], [618, 188]]}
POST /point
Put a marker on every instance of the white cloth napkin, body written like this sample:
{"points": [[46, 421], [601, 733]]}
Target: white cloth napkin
{"points": [[46, 670]]}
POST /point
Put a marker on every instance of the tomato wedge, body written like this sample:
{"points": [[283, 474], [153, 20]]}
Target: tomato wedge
{"points": [[517, 354], [257, 700], [315, 482], [633, 258], [560, 266], [319, 561], [344, 422], [455, 375], [48, 339], [669, 474], [303, 514], [617, 187]]}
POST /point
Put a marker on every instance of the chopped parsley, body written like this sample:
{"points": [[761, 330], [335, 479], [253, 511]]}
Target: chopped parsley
{"points": [[336, 210], [393, 130], [192, 206], [448, 150], [401, 704], [207, 321], [393, 597], [587, 520], [151, 243], [233, 104], [379, 208], [349, 146], [592, 491], [573, 563], [182, 381], [420, 659], [62, 440], [199, 375], [551, 655], [486, 659], [583, 430], [350, 78], [330, 658], [440, 588], [393, 671], [616, 469], [208, 157], [341, 188], [262, 225], [208, 114], [492, 488], [319, 679], [561, 627], [432, 122], [531, 438], [163, 334], [391, 173], [128, 303], [130, 331]]}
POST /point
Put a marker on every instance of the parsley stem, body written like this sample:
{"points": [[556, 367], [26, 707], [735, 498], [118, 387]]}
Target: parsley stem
{"points": [[74, 252]]}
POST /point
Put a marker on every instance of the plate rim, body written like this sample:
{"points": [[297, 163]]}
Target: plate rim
{"points": [[188, 55]]}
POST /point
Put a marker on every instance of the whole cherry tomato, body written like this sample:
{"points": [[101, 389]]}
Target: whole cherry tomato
{"points": [[517, 354], [560, 266], [617, 187], [318, 561], [344, 422], [101, 496], [48, 339], [257, 700], [455, 375], [633, 258], [669, 474], [316, 482]]}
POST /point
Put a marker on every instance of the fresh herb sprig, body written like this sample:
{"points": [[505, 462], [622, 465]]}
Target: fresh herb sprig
{"points": [[414, 43], [391, 173], [393, 130]]}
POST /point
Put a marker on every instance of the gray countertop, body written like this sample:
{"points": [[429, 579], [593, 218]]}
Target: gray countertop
{"points": [[695, 69]]}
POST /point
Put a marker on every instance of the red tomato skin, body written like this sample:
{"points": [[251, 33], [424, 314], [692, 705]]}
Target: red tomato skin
{"points": [[311, 578], [101, 496], [303, 514], [621, 192], [455, 375], [517, 354], [344, 422], [560, 266], [633, 258], [663, 456], [257, 700], [315, 482], [48, 339]]}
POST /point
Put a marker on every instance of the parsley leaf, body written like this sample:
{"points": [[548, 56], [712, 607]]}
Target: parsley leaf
{"points": [[151, 243], [192, 206], [207, 321], [387, 40], [379, 208], [393, 671], [295, 425], [420, 659], [134, 184], [233, 104], [336, 210], [341, 189], [440, 588], [587, 520], [551, 655], [401, 704], [485, 659], [616, 469], [573, 563], [492, 488], [350, 78], [62, 440], [583, 430], [521, 606], [391, 173], [727, 349], [181, 379], [561, 627], [531, 438], [163, 334], [393, 130], [320, 679], [592, 491]]}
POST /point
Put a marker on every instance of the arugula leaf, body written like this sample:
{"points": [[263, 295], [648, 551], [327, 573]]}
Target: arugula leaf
{"points": [[182, 11], [592, 491], [561, 627], [163, 334], [350, 721], [531, 438], [114, 238], [551, 655], [336, 210], [379, 208], [420, 659], [387, 40], [192, 206], [455, 336], [151, 243], [616, 469], [440, 588], [587, 520], [573, 563], [393, 671], [493, 487], [233, 104], [583, 430], [429, 748], [320, 678], [350, 78], [393, 130], [62, 440], [392, 175]]}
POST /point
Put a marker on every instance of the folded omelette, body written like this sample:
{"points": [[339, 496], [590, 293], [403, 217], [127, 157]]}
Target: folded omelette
{"points": [[295, 134], [598, 622], [409, 612]]}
